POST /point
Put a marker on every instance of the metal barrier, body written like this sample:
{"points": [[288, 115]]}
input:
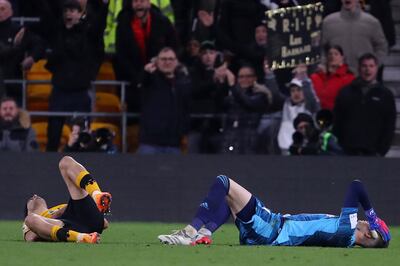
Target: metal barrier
{"points": [[22, 20], [123, 115]]}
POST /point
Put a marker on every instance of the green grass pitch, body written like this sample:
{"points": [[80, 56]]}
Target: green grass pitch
{"points": [[137, 244]]}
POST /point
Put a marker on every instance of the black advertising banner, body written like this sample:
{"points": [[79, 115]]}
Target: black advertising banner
{"points": [[294, 35]]}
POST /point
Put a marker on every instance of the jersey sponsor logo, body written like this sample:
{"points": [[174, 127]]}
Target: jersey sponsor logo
{"points": [[353, 220]]}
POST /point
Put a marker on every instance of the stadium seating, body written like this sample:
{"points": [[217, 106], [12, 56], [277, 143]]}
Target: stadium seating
{"points": [[107, 102], [38, 94], [106, 72], [41, 135]]}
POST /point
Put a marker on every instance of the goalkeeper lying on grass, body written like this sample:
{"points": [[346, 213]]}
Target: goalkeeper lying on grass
{"points": [[81, 220], [259, 226]]}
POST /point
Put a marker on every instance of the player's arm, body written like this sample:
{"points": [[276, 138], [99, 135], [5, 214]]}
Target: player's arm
{"points": [[358, 194]]}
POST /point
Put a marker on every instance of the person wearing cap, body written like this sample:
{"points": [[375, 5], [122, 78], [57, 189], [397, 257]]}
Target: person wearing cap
{"points": [[259, 225], [305, 137], [302, 100], [314, 137]]}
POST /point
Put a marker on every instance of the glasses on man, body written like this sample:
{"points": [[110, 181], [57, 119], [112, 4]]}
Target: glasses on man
{"points": [[165, 59], [246, 76]]}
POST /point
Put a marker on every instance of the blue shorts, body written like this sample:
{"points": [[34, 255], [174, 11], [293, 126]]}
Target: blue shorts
{"points": [[262, 229]]}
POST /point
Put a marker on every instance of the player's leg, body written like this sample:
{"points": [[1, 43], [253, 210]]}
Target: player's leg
{"points": [[52, 230], [213, 211], [80, 183], [224, 195]]}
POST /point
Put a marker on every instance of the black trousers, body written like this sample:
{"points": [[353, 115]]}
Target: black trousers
{"points": [[64, 101]]}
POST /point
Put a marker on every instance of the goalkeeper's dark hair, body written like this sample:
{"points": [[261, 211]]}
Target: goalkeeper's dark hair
{"points": [[376, 243]]}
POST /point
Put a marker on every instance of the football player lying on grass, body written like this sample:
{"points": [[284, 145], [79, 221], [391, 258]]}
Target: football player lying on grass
{"points": [[81, 220], [257, 225]]}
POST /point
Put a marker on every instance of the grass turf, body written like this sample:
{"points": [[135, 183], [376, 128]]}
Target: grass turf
{"points": [[137, 244]]}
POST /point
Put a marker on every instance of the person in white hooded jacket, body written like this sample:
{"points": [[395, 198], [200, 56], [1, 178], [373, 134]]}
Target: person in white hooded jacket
{"points": [[302, 100]]}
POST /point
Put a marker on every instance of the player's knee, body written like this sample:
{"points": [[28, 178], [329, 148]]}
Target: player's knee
{"points": [[31, 220], [65, 162]]}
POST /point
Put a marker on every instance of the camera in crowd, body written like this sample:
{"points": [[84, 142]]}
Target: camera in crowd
{"points": [[313, 136], [99, 140]]}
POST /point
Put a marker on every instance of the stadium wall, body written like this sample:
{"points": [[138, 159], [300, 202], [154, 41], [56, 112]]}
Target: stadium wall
{"points": [[169, 188]]}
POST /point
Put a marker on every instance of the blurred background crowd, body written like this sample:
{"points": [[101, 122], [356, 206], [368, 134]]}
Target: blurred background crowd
{"points": [[191, 76]]}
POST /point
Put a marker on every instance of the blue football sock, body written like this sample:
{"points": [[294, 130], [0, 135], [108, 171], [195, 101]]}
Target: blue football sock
{"points": [[219, 217], [213, 209]]}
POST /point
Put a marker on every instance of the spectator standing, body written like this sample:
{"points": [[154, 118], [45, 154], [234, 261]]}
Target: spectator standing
{"points": [[257, 49], [365, 113], [244, 105], [356, 31], [238, 19], [209, 89], [302, 100], [19, 49], [142, 32], [196, 19], [382, 10], [76, 48], [16, 133], [165, 95], [330, 79]]}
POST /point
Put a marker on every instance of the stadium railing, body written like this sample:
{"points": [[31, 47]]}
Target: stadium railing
{"points": [[122, 115], [24, 20]]}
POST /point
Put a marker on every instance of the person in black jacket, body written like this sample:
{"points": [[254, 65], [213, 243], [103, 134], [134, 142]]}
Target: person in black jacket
{"points": [[365, 113], [209, 90], [19, 49], [245, 104], [165, 95], [74, 60], [141, 33]]}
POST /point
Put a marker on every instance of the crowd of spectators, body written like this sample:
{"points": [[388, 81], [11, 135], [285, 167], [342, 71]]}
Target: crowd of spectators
{"points": [[208, 59]]}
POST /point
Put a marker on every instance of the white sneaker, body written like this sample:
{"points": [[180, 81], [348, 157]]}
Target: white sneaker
{"points": [[179, 237]]}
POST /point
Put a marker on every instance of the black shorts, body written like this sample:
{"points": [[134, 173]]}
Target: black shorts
{"points": [[83, 216]]}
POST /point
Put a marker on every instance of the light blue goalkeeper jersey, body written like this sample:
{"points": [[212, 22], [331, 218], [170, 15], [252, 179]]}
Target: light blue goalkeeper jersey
{"points": [[319, 230], [268, 228]]}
